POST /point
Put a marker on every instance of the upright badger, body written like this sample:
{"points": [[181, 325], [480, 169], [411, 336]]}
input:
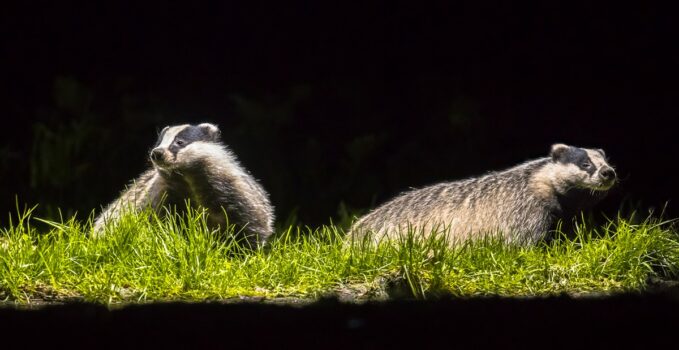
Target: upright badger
{"points": [[190, 162], [521, 203]]}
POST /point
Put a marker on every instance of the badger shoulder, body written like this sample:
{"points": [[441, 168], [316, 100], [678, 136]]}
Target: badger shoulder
{"points": [[143, 191], [219, 182]]}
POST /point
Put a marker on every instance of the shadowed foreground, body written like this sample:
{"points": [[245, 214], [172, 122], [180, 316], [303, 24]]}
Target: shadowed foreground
{"points": [[556, 322]]}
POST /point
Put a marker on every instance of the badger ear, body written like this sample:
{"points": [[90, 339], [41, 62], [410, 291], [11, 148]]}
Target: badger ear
{"points": [[558, 150], [211, 130], [602, 152]]}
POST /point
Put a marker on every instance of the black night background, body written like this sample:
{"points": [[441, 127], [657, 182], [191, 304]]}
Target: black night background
{"points": [[335, 108]]}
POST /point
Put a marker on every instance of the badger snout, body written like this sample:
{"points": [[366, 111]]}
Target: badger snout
{"points": [[607, 174], [157, 154], [160, 157]]}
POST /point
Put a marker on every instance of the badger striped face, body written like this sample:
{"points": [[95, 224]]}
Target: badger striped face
{"points": [[584, 167], [173, 139]]}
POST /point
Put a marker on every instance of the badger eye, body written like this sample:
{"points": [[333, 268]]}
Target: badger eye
{"points": [[180, 142], [586, 165]]}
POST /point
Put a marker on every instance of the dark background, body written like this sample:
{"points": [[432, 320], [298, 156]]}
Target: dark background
{"points": [[334, 108]]}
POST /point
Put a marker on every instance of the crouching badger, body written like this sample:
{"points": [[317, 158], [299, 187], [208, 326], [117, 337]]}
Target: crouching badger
{"points": [[521, 204], [190, 162]]}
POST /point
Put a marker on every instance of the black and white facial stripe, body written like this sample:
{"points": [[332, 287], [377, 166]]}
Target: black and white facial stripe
{"points": [[577, 156], [177, 137], [590, 161], [161, 135], [173, 139]]}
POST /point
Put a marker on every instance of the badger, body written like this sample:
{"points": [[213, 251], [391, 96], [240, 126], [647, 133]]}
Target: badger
{"points": [[519, 205], [191, 165]]}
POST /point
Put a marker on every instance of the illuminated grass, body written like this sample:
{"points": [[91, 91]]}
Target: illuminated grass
{"points": [[178, 258]]}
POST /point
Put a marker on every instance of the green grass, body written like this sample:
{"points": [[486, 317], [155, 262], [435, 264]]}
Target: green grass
{"points": [[178, 258]]}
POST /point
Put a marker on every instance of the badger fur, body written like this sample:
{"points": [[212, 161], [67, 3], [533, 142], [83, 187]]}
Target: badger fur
{"points": [[520, 204], [190, 162]]}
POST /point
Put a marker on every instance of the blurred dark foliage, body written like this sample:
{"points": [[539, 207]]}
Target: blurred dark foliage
{"points": [[334, 109]]}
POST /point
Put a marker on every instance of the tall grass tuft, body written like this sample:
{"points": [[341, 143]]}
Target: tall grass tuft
{"points": [[148, 257]]}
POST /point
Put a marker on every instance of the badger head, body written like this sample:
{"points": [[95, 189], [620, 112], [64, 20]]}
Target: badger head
{"points": [[175, 140], [582, 168]]}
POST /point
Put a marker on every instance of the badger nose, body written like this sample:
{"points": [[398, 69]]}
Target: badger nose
{"points": [[607, 174], [156, 154]]}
